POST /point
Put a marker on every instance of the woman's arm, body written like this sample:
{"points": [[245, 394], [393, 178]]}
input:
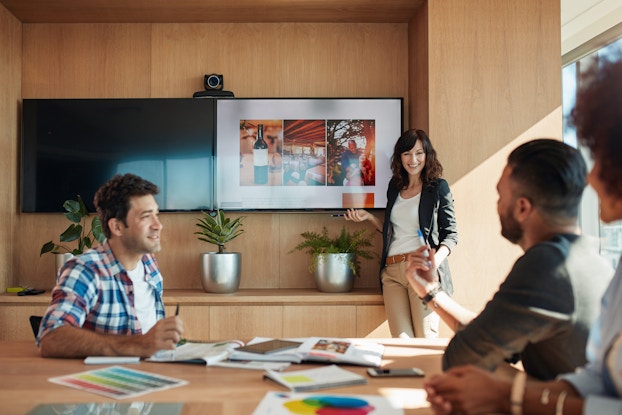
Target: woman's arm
{"points": [[361, 215]]}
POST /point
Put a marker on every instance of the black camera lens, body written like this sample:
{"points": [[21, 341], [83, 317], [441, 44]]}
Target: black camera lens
{"points": [[213, 81]]}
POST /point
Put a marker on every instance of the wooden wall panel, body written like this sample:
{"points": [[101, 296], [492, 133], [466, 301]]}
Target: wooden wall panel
{"points": [[419, 70], [10, 94], [495, 81], [282, 59], [245, 322], [14, 323], [321, 321], [371, 321], [196, 320], [87, 61]]}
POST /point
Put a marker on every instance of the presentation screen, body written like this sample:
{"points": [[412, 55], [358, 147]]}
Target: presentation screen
{"points": [[309, 153]]}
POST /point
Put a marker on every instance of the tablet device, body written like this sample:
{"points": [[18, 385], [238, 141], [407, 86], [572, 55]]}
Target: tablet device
{"points": [[270, 346]]}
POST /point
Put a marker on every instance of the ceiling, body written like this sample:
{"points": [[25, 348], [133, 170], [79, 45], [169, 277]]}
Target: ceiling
{"points": [[212, 11], [581, 20]]}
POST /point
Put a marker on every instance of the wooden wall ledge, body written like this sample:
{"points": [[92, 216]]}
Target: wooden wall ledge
{"points": [[286, 296]]}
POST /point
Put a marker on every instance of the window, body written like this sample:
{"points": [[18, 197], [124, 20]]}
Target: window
{"points": [[609, 235]]}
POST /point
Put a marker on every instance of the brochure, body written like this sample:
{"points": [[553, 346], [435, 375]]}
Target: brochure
{"points": [[318, 349], [201, 353], [312, 379], [287, 403]]}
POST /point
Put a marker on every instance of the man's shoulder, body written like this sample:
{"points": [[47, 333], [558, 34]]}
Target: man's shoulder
{"points": [[566, 248], [99, 260]]}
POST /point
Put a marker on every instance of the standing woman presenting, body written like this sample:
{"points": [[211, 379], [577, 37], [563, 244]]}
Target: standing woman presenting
{"points": [[417, 199]]}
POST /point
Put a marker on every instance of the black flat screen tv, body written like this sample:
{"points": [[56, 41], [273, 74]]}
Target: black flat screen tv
{"points": [[72, 146], [322, 153]]}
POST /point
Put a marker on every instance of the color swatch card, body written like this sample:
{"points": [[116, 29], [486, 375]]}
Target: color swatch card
{"points": [[118, 382], [281, 403]]}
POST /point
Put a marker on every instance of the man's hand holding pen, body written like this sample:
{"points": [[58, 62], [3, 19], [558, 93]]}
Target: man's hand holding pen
{"points": [[421, 271]]}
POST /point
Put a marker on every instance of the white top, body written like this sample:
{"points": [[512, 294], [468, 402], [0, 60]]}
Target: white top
{"points": [[144, 298], [405, 221]]}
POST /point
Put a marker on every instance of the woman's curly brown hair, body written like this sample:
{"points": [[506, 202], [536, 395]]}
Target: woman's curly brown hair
{"points": [[597, 116]]}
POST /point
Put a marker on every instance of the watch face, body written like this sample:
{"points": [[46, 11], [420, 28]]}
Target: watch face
{"points": [[613, 361]]}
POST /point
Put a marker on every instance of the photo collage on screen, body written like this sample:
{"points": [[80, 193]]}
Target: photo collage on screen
{"points": [[307, 152]]}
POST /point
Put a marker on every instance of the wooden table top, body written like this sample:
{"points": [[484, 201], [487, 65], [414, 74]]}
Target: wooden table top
{"points": [[218, 391]]}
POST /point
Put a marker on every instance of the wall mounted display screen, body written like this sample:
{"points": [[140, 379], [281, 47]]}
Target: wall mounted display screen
{"points": [[318, 153], [72, 146]]}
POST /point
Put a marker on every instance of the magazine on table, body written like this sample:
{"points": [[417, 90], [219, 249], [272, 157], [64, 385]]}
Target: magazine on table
{"points": [[195, 352], [320, 349]]}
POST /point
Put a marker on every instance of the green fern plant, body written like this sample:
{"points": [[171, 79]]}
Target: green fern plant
{"points": [[78, 215], [346, 242], [218, 229]]}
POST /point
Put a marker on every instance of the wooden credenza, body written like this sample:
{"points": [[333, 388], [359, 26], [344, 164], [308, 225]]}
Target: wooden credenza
{"points": [[243, 315]]}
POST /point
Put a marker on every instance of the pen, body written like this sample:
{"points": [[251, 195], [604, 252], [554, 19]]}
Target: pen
{"points": [[336, 215], [422, 241], [177, 310]]}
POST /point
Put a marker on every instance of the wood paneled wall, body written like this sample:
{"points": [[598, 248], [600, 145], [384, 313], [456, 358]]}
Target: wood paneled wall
{"points": [[169, 60], [10, 98], [495, 82]]}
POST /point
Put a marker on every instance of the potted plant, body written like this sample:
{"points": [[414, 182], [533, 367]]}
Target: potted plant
{"points": [[220, 271], [334, 260], [78, 215]]}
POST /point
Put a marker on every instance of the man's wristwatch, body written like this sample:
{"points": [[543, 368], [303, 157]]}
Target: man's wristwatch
{"points": [[431, 294]]}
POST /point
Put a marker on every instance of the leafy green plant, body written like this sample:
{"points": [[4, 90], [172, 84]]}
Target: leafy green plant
{"points": [[78, 215], [218, 229], [345, 243]]}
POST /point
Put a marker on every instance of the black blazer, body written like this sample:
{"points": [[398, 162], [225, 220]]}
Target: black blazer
{"points": [[437, 221]]}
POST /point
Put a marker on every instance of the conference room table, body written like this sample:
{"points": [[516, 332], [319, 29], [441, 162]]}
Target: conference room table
{"points": [[210, 390]]}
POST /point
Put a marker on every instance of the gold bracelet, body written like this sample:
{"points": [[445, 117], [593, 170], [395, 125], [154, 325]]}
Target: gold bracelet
{"points": [[544, 398], [559, 405], [518, 391]]}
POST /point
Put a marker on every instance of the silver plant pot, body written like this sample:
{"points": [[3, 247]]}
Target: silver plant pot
{"points": [[60, 260], [333, 275], [220, 273]]}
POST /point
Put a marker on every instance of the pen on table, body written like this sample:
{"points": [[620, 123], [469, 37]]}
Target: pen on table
{"points": [[336, 215]]}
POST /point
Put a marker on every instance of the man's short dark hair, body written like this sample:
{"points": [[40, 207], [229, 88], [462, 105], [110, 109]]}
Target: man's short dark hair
{"points": [[551, 174], [112, 199]]}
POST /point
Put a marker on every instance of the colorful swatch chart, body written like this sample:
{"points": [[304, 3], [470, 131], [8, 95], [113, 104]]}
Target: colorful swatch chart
{"points": [[281, 403], [118, 382]]}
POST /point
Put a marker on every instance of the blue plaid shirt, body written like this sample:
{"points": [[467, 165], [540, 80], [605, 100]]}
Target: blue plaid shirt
{"points": [[93, 291]]}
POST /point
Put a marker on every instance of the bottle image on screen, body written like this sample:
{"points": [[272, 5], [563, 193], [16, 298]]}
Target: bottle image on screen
{"points": [[260, 157]]}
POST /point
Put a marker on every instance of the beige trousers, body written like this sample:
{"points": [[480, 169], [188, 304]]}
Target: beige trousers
{"points": [[407, 316]]}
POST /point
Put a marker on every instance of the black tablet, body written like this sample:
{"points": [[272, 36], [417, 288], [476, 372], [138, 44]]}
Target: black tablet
{"points": [[270, 346]]}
